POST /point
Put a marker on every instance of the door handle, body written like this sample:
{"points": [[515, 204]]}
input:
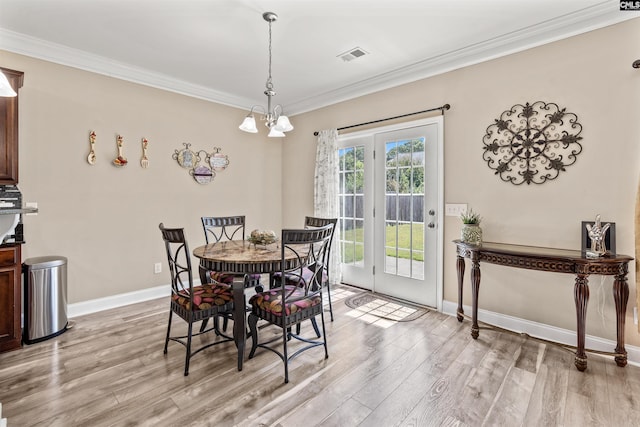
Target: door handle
{"points": [[431, 225]]}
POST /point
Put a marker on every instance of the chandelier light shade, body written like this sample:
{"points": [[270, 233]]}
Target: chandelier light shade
{"points": [[5, 86], [277, 122]]}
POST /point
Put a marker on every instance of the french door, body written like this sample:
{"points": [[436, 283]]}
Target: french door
{"points": [[390, 204]]}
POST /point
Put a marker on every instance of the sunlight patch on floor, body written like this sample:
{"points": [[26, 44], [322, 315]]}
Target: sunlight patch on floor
{"points": [[390, 310], [370, 318], [338, 294]]}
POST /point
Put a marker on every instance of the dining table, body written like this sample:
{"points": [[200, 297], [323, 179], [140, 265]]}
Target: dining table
{"points": [[242, 259]]}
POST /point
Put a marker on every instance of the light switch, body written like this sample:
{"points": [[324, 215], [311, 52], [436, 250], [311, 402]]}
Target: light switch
{"points": [[455, 209]]}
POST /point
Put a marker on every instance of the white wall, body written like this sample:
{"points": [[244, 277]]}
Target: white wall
{"points": [[590, 75], [104, 219]]}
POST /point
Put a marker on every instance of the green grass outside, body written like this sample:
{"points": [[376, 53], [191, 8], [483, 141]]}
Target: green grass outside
{"points": [[356, 253]]}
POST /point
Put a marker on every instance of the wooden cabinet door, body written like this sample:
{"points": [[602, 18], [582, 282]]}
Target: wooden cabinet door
{"points": [[10, 309], [9, 130]]}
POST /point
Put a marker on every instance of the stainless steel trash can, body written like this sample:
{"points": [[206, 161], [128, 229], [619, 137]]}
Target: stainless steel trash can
{"points": [[45, 298]]}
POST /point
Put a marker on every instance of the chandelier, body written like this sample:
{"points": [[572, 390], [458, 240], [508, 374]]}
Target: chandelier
{"points": [[277, 122]]}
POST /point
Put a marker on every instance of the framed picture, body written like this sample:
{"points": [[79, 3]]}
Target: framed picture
{"points": [[609, 238]]}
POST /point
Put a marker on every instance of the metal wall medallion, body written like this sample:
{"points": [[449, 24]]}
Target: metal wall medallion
{"points": [[532, 143]]}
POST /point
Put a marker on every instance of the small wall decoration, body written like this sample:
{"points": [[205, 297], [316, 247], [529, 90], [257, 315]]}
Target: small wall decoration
{"points": [[120, 160], [144, 161], [598, 240], [532, 143], [91, 158], [202, 174], [217, 160], [185, 157]]}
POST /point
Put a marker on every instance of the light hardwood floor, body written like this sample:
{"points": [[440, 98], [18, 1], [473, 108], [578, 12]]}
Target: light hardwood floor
{"points": [[109, 369]]}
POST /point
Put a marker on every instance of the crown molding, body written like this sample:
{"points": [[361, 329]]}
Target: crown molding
{"points": [[41, 49], [569, 25], [563, 27]]}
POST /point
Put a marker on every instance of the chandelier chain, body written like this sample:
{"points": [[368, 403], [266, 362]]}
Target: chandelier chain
{"points": [[269, 81]]}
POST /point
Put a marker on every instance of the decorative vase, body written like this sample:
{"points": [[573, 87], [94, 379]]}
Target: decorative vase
{"points": [[471, 233]]}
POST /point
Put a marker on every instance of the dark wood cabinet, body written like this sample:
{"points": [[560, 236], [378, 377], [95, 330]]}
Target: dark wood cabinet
{"points": [[9, 130], [10, 254], [10, 308]]}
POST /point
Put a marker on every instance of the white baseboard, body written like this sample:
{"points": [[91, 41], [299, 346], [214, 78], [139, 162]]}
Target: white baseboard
{"points": [[115, 301], [540, 330], [535, 329]]}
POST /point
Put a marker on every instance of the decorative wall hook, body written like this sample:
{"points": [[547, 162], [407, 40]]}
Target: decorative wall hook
{"points": [[144, 161], [92, 154], [120, 160]]}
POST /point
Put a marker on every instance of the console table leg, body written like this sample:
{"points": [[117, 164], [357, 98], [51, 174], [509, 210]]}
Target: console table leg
{"points": [[621, 296], [475, 288], [581, 295], [460, 264]]}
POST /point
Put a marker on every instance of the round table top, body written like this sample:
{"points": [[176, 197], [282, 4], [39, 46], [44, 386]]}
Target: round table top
{"points": [[243, 257]]}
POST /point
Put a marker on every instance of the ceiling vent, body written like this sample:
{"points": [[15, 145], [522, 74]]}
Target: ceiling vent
{"points": [[352, 54]]}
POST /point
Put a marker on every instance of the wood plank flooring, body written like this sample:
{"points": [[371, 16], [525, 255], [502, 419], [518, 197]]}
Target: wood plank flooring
{"points": [[109, 369]]}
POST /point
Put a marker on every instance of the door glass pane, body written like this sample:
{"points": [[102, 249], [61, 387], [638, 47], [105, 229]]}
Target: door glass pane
{"points": [[359, 206], [351, 195], [359, 243], [404, 216]]}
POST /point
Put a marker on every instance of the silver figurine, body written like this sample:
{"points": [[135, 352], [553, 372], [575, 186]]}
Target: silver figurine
{"points": [[597, 233]]}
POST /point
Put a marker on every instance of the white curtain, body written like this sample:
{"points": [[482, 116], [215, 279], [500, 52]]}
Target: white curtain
{"points": [[325, 195]]}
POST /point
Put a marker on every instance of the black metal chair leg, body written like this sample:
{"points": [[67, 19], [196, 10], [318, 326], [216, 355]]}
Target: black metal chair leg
{"points": [[324, 336], [315, 326], [188, 358], [166, 341], [330, 306], [253, 328], [285, 355], [203, 326]]}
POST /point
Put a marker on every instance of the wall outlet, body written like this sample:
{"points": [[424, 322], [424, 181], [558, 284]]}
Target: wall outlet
{"points": [[157, 267], [635, 315], [455, 209]]}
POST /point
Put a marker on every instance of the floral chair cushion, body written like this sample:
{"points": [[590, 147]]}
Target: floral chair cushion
{"points": [[271, 301], [205, 296]]}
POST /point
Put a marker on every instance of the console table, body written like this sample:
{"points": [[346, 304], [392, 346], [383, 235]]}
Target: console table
{"points": [[552, 260]]}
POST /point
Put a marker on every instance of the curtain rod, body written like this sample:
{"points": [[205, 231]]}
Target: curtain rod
{"points": [[443, 108]]}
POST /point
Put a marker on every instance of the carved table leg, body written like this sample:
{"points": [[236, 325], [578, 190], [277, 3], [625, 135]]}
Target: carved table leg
{"points": [[581, 295], [621, 296], [475, 288], [460, 264]]}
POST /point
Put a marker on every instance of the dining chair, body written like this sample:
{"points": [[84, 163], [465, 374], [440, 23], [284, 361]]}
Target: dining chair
{"points": [[291, 279], [220, 229], [224, 228], [315, 222], [192, 303], [289, 305]]}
